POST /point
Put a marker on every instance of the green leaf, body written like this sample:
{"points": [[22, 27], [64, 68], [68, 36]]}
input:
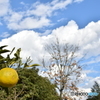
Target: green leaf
{"points": [[4, 51], [17, 54], [12, 51], [32, 65], [3, 46], [6, 90], [11, 62], [1, 57], [26, 65]]}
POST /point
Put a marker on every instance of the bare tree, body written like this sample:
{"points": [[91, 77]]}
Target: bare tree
{"points": [[64, 68]]}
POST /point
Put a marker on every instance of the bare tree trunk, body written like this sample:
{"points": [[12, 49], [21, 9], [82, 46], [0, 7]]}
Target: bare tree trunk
{"points": [[61, 95]]}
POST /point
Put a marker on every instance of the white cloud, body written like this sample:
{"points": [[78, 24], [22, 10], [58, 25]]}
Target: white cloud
{"points": [[36, 16], [22, 20], [4, 6], [16, 17], [90, 83], [41, 9], [87, 38], [47, 32], [61, 4], [29, 23], [32, 43], [29, 41]]}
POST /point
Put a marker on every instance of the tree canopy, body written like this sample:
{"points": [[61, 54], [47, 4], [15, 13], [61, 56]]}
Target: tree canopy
{"points": [[30, 86]]}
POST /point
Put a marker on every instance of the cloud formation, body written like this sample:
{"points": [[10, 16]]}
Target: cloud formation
{"points": [[4, 6], [38, 15], [32, 42]]}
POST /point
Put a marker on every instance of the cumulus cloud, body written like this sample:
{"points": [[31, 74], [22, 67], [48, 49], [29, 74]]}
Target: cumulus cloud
{"points": [[32, 42], [27, 40], [47, 32]]}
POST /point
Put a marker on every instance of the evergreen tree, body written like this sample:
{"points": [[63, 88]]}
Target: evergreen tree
{"points": [[95, 88]]}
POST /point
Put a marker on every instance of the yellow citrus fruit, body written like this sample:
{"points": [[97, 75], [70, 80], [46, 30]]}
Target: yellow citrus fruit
{"points": [[8, 77]]}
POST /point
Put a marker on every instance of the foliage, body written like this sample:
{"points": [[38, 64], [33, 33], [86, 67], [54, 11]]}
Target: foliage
{"points": [[8, 61], [64, 68], [31, 86], [95, 88], [13, 61]]}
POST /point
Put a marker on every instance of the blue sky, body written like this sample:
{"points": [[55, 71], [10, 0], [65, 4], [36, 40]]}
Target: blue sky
{"points": [[24, 23], [81, 12]]}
